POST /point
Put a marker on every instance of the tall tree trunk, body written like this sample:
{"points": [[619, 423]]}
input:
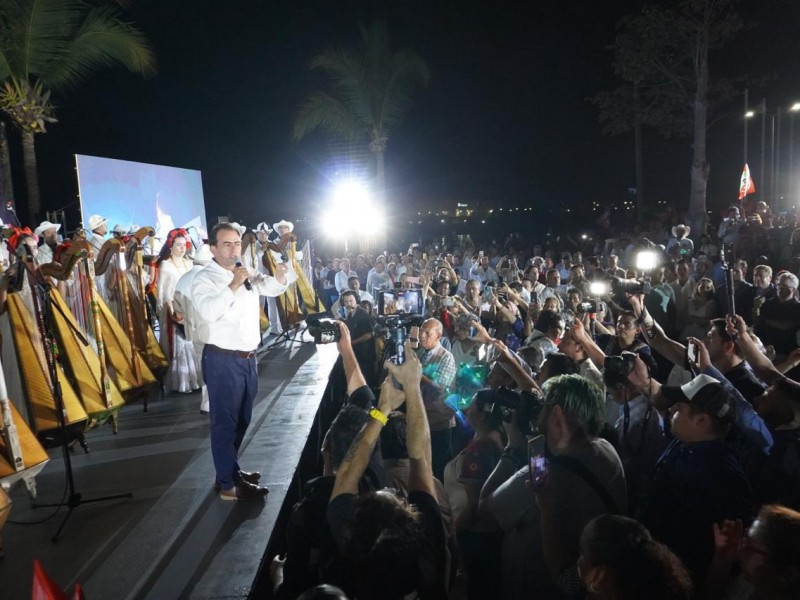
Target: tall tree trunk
{"points": [[700, 168], [31, 177], [6, 184]]}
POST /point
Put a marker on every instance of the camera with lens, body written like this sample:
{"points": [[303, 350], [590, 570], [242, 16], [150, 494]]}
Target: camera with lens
{"points": [[503, 400], [630, 286], [621, 365], [324, 331], [590, 307], [502, 296], [394, 330]]}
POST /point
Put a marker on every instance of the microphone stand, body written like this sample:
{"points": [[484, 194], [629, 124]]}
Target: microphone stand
{"points": [[47, 328]]}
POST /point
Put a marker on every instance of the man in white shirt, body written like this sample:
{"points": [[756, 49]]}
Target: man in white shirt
{"points": [[483, 272], [48, 232], [343, 276], [225, 298], [98, 226], [355, 284], [378, 279]]}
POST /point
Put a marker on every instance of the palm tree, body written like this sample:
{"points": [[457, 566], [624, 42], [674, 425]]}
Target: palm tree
{"points": [[370, 93], [52, 45]]}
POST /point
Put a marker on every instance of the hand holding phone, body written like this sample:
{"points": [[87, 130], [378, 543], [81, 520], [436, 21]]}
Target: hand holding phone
{"points": [[537, 463]]}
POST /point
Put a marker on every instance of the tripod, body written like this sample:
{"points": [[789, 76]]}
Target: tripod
{"points": [[291, 335], [44, 308]]}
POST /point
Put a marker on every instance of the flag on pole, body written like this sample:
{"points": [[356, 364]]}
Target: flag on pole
{"points": [[746, 186]]}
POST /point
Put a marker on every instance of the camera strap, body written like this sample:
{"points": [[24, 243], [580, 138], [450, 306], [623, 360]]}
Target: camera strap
{"points": [[570, 463]]}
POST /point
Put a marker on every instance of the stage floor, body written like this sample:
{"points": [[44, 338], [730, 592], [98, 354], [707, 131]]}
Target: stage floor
{"points": [[174, 538]]}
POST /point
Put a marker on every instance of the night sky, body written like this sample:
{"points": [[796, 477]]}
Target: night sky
{"points": [[505, 120]]}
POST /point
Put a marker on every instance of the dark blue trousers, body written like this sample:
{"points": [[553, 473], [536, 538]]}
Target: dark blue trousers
{"points": [[232, 386]]}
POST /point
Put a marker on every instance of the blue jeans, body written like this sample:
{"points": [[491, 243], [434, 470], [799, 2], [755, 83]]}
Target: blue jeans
{"points": [[232, 386]]}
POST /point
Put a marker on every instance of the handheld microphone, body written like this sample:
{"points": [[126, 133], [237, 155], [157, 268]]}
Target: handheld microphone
{"points": [[247, 284]]}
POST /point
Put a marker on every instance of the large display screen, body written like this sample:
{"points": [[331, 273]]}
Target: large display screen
{"points": [[131, 193]]}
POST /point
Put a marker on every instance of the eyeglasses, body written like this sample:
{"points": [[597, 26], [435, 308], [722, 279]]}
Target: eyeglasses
{"points": [[626, 324]]}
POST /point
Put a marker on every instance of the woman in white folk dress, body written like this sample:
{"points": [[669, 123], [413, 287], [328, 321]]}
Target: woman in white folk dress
{"points": [[184, 366]]}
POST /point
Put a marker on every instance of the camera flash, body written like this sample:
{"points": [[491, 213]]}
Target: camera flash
{"points": [[646, 260], [598, 288]]}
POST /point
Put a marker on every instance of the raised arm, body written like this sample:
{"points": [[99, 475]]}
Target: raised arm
{"points": [[358, 456], [668, 348], [762, 366], [418, 436], [352, 372]]}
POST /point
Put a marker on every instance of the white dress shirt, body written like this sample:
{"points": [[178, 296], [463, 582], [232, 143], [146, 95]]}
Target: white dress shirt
{"points": [[341, 280], [226, 319]]}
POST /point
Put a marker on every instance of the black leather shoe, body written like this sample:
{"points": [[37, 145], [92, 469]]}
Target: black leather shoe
{"points": [[244, 491], [253, 477]]}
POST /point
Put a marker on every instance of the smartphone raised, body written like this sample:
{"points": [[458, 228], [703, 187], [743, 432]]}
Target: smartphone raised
{"points": [[691, 353], [537, 463]]}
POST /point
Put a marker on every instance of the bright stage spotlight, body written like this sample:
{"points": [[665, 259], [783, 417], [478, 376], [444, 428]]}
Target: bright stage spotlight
{"points": [[352, 211]]}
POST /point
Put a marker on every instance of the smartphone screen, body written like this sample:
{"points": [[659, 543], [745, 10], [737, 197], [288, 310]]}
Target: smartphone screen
{"points": [[537, 463], [691, 353]]}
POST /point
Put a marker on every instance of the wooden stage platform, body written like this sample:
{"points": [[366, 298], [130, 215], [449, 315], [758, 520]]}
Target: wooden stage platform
{"points": [[174, 538]]}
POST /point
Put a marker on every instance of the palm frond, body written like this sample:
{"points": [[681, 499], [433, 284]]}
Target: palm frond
{"points": [[41, 33], [102, 40], [60, 41], [370, 91], [321, 110]]}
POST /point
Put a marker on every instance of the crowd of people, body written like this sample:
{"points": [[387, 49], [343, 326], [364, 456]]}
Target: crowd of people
{"points": [[559, 421], [511, 419]]}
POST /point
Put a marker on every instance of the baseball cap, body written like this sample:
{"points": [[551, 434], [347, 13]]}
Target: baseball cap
{"points": [[705, 394]]}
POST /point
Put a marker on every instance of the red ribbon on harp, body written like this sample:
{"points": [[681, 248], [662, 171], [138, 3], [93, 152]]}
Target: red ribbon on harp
{"points": [[19, 233]]}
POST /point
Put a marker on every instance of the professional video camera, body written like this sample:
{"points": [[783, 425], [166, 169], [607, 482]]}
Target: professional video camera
{"points": [[398, 311], [591, 306], [621, 365], [503, 400], [324, 331], [630, 286]]}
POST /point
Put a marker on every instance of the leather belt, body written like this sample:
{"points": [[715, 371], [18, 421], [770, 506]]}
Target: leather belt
{"points": [[236, 353]]}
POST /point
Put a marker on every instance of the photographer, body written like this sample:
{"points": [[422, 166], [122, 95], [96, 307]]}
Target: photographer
{"points": [[542, 530], [308, 541], [391, 548], [639, 427], [728, 231], [359, 326]]}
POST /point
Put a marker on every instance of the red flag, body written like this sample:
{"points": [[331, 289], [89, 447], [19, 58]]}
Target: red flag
{"points": [[746, 186], [45, 588]]}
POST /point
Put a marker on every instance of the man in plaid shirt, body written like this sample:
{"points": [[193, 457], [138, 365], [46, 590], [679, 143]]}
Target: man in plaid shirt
{"points": [[438, 377]]}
